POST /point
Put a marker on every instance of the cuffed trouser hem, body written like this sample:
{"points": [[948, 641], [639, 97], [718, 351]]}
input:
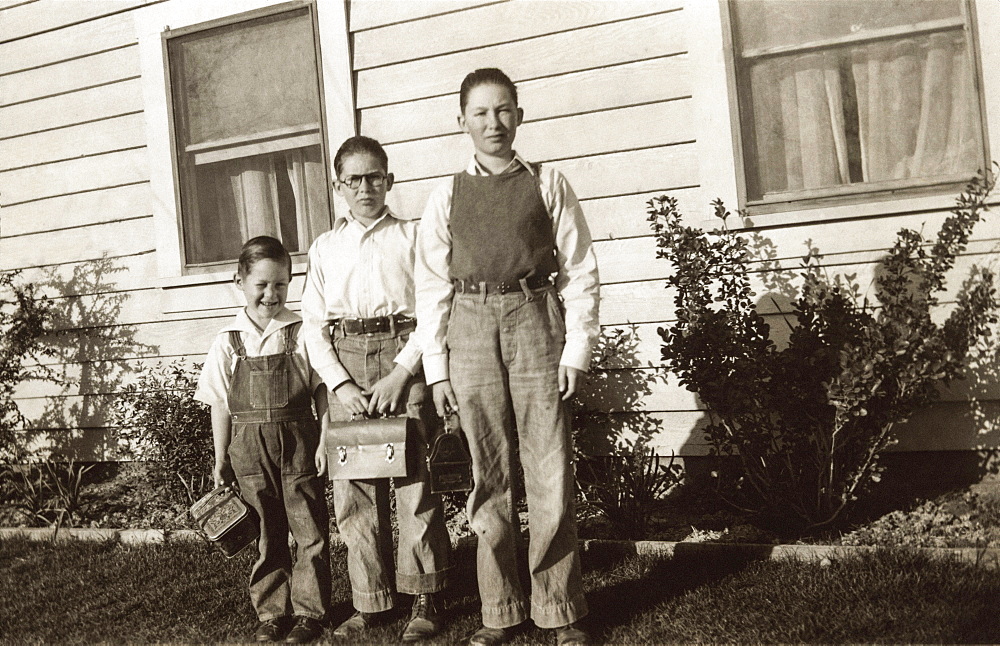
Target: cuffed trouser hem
{"points": [[270, 616], [422, 583], [555, 615], [379, 601], [505, 616]]}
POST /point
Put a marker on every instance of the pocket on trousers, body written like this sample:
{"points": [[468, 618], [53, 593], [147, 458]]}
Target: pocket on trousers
{"points": [[301, 442]]}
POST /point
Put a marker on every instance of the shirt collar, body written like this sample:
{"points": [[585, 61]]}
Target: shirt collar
{"points": [[384, 215], [242, 322], [475, 168]]}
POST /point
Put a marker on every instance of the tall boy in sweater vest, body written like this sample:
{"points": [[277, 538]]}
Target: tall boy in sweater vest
{"points": [[506, 347]]}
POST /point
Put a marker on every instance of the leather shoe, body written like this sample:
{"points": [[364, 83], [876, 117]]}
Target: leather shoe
{"points": [[424, 619], [491, 636], [305, 630], [272, 630], [358, 623], [572, 635]]}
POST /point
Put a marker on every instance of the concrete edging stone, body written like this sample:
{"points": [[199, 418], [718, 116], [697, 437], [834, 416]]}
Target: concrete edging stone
{"points": [[988, 557]]}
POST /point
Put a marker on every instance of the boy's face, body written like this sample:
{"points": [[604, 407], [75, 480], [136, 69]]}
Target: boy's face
{"points": [[265, 288], [491, 118], [373, 182]]}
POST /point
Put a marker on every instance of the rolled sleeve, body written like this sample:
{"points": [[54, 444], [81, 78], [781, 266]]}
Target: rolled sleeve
{"points": [[216, 374], [434, 290]]}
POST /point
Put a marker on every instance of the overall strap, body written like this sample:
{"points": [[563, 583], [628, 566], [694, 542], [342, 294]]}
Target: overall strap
{"points": [[291, 331], [237, 342]]}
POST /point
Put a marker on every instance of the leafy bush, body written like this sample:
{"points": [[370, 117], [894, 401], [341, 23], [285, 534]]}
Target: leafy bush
{"points": [[162, 423], [25, 319], [808, 422]]}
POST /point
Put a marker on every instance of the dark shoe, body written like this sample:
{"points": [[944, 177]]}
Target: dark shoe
{"points": [[491, 636], [358, 623], [572, 635], [272, 630], [424, 619], [305, 630]]}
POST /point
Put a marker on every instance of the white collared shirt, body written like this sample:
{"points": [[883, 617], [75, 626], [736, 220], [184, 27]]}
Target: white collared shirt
{"points": [[358, 272], [577, 280], [217, 373]]}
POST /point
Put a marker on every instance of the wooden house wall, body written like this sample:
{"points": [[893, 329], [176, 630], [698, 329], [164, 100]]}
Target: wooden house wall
{"points": [[615, 96]]}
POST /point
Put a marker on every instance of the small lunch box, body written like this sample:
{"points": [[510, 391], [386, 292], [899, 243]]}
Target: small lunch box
{"points": [[227, 521]]}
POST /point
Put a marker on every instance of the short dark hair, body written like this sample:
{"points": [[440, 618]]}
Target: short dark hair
{"points": [[485, 76], [360, 144], [262, 248]]}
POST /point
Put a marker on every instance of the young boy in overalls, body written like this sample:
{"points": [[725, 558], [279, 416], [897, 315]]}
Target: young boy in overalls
{"points": [[358, 306], [506, 347], [258, 382]]}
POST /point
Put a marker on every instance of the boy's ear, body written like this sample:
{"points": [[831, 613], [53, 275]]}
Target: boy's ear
{"points": [[237, 280], [389, 179], [520, 115], [461, 123], [338, 188]]}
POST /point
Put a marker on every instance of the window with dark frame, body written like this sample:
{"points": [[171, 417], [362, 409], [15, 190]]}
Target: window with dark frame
{"points": [[247, 130], [854, 96]]}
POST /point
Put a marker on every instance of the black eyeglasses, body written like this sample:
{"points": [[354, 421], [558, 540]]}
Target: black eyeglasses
{"points": [[375, 180]]}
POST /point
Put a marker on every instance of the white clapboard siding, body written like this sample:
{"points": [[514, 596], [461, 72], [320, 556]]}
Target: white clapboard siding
{"points": [[592, 47], [624, 173], [89, 71], [592, 133], [369, 14], [490, 25], [624, 216], [118, 238], [97, 377], [649, 81], [116, 133], [46, 15], [78, 209], [81, 106], [79, 40], [72, 176]]}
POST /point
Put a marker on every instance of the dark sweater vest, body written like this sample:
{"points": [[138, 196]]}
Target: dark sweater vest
{"points": [[500, 228]]}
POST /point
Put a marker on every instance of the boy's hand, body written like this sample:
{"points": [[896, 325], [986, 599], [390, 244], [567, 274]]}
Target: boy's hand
{"points": [[569, 380], [352, 397], [445, 400], [321, 460], [387, 391], [223, 473]]}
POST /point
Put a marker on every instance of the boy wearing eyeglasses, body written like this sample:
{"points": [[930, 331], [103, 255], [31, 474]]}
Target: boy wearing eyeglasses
{"points": [[358, 308]]}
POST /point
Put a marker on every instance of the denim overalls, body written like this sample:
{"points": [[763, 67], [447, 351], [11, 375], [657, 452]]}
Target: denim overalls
{"points": [[274, 441]]}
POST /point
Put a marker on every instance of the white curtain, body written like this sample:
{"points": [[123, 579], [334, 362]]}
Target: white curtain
{"points": [[799, 119], [255, 194], [308, 178], [915, 108]]}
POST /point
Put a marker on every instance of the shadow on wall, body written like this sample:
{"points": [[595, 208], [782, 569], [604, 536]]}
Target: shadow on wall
{"points": [[91, 363]]}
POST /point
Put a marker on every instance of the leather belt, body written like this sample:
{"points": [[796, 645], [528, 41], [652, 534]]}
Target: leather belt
{"points": [[506, 287], [394, 323]]}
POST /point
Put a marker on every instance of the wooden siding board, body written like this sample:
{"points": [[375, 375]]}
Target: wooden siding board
{"points": [[624, 216], [84, 243], [46, 15], [87, 38], [590, 48], [88, 71], [73, 176], [91, 104], [490, 25], [78, 209], [567, 137], [95, 137], [369, 14], [588, 91], [626, 173]]}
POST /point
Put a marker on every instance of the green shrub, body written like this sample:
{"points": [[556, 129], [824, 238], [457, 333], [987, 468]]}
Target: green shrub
{"points": [[25, 320], [807, 423], [161, 423]]}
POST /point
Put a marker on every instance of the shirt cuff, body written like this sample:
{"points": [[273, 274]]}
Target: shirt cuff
{"points": [[435, 368], [210, 399], [576, 356]]}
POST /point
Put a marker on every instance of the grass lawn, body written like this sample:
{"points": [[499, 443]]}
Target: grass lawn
{"points": [[82, 592]]}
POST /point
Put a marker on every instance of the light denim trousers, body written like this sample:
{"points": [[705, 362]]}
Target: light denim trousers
{"points": [[504, 361], [362, 507]]}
